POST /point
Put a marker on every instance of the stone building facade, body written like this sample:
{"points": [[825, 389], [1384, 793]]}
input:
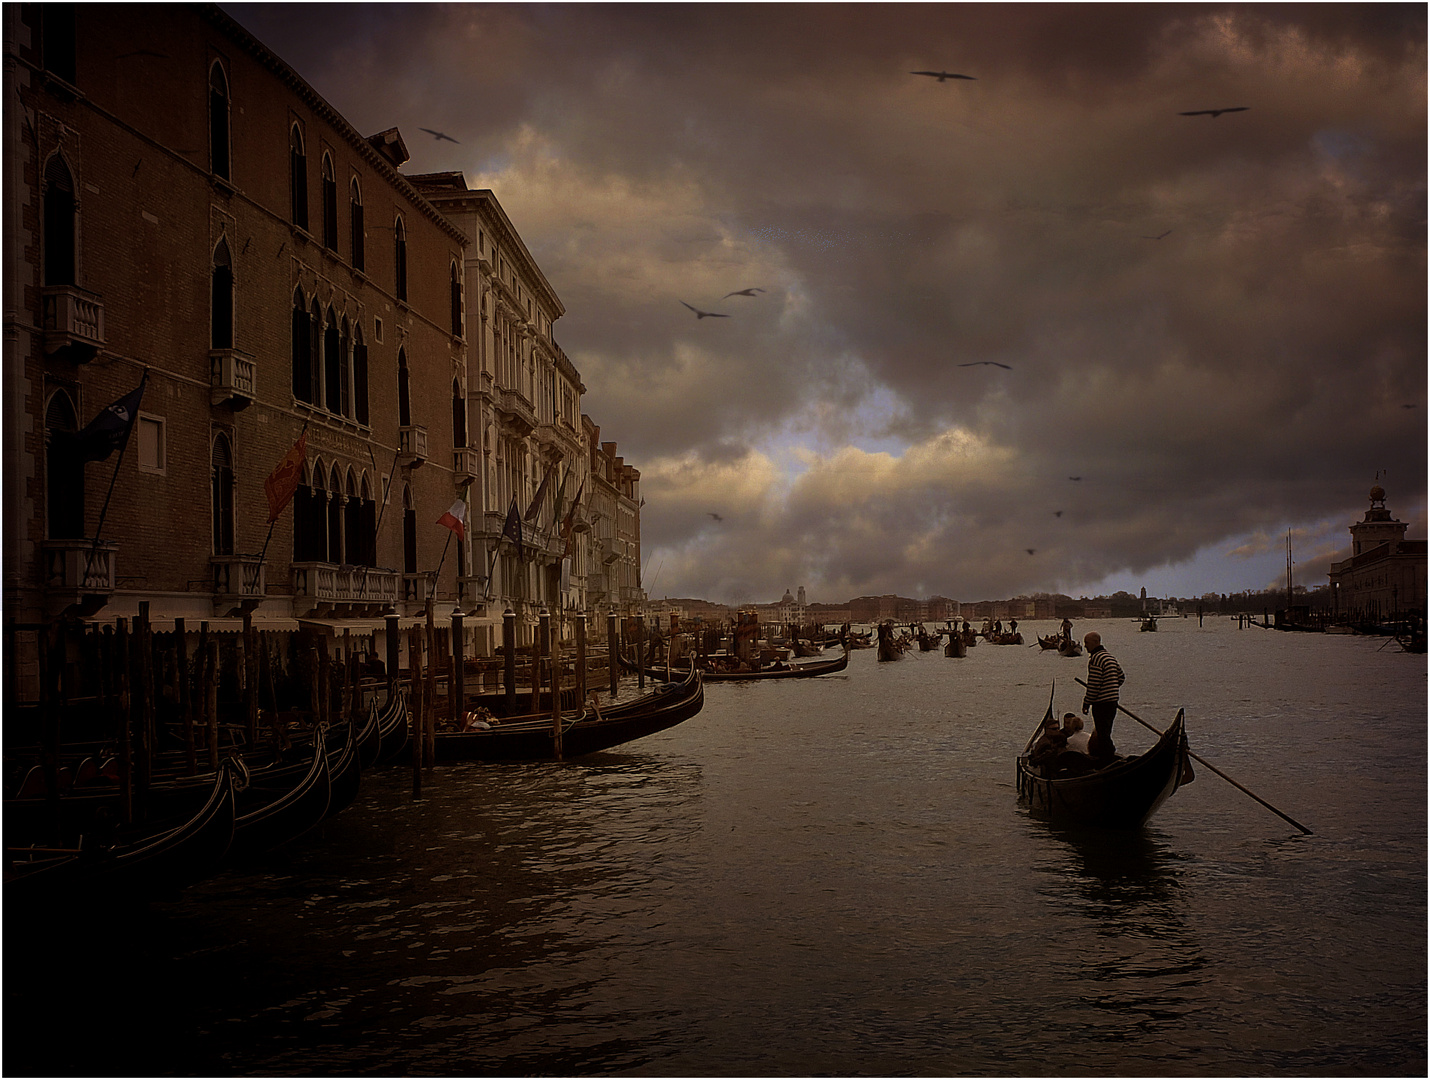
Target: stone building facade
{"points": [[184, 212], [1384, 578]]}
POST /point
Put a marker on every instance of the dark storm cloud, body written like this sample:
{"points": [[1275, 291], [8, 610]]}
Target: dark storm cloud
{"points": [[1246, 371]]}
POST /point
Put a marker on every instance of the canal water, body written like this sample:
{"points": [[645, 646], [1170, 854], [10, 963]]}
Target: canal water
{"points": [[827, 876]]}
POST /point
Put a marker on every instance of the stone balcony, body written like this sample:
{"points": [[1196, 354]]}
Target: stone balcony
{"points": [[78, 573], [411, 444], [234, 378], [516, 411], [72, 320], [322, 589], [466, 464], [239, 583]]}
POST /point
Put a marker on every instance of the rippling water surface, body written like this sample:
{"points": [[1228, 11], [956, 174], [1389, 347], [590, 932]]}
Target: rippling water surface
{"points": [[828, 876]]}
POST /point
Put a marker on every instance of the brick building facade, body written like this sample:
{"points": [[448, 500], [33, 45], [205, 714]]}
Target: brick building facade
{"points": [[183, 211]]}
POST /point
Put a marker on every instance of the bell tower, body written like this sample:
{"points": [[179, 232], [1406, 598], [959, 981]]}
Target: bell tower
{"points": [[1377, 527]]}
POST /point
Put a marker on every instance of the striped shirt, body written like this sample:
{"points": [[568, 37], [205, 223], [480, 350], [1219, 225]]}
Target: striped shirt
{"points": [[1103, 677]]}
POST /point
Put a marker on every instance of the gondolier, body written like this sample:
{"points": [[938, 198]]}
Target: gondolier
{"points": [[1104, 678]]}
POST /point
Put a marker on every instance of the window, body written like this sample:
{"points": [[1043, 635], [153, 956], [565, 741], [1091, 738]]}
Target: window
{"points": [[149, 433], [309, 523], [221, 308], [360, 411], [57, 40], [222, 470], [400, 258], [345, 374], [298, 176], [335, 517], [456, 301], [409, 532], [332, 364], [377, 330], [302, 350], [356, 544], [218, 122], [404, 395], [59, 235], [355, 227], [459, 415], [64, 471], [367, 521], [330, 204]]}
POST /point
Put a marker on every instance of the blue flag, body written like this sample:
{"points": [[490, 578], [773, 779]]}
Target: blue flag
{"points": [[109, 431], [512, 529]]}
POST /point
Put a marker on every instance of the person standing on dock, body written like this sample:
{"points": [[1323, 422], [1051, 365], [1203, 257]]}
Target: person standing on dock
{"points": [[1104, 680]]}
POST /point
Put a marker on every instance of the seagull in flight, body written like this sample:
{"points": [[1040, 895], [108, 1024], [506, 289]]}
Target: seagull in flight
{"points": [[1214, 113], [438, 135], [716, 516], [942, 75], [706, 314], [1156, 237], [742, 292], [1030, 551], [1074, 477], [1057, 513], [992, 363]]}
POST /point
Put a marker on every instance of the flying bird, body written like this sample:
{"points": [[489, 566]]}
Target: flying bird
{"points": [[942, 75], [1407, 406], [742, 292], [1074, 477], [1030, 551], [1057, 513], [1214, 113], [1158, 237], [706, 314], [716, 516], [438, 135], [993, 363]]}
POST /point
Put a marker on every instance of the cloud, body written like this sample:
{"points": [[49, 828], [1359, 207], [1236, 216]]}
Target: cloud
{"points": [[1243, 374]]}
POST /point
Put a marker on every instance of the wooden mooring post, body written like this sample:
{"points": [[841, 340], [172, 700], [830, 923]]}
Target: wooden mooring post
{"points": [[612, 659], [508, 642], [457, 681]]}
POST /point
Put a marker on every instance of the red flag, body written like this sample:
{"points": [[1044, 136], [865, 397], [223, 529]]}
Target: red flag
{"points": [[454, 519], [283, 481]]}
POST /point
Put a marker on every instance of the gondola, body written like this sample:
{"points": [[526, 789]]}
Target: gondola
{"points": [[162, 858], [1052, 641], [532, 738], [956, 646], [1149, 623], [394, 729], [1121, 795], [271, 816], [791, 671]]}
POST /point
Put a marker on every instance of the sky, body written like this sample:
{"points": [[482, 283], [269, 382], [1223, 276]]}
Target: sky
{"points": [[1028, 331]]}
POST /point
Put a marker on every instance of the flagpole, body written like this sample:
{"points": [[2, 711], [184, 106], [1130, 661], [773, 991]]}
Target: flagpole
{"points": [[440, 562], [386, 498], [104, 510], [264, 554]]}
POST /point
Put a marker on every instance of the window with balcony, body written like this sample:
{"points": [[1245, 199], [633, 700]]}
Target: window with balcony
{"points": [[399, 257], [60, 211], [335, 517], [309, 523], [330, 204], [64, 471], [355, 225], [459, 415], [409, 532], [219, 144], [345, 369], [298, 176], [223, 489], [221, 301]]}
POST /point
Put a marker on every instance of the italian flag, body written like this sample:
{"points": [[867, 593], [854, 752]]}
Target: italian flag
{"points": [[454, 519]]}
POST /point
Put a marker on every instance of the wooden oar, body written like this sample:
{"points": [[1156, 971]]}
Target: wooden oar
{"points": [[1213, 768]]}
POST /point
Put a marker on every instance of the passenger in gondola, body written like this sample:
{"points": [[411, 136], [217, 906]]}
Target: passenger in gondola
{"points": [[1073, 732], [1050, 743]]}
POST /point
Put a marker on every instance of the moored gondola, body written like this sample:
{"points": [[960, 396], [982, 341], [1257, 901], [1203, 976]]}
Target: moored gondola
{"points": [[776, 671], [585, 731], [1120, 795], [270, 816]]}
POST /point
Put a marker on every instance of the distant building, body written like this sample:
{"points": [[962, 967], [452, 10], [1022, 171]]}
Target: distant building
{"points": [[1385, 576]]}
